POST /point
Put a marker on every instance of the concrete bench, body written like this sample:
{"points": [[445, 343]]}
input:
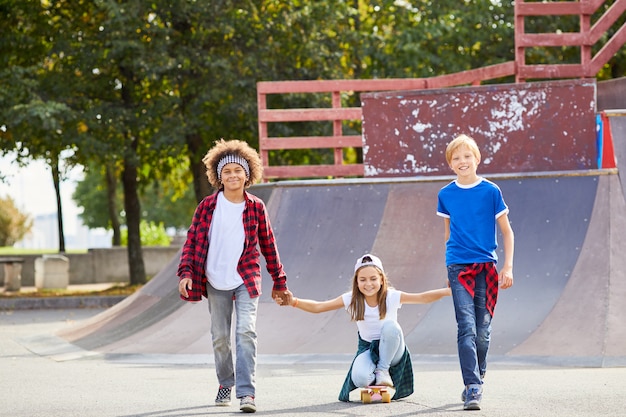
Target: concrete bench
{"points": [[52, 271], [12, 273]]}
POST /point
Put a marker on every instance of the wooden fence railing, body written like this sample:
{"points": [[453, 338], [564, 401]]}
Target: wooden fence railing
{"points": [[585, 38], [588, 67], [338, 114]]}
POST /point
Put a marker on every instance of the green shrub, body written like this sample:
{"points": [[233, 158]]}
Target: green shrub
{"points": [[152, 234]]}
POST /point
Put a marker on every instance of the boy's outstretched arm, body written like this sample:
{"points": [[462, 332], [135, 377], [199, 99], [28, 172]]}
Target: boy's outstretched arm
{"points": [[508, 241], [424, 297]]}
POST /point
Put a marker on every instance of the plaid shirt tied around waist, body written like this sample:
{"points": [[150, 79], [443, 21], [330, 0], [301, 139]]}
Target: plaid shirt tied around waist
{"points": [[467, 278], [401, 373]]}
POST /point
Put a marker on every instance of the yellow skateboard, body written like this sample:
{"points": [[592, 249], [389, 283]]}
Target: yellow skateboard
{"points": [[375, 393]]}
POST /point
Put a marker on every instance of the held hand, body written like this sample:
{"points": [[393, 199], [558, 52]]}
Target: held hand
{"points": [[184, 286], [283, 298], [506, 278]]}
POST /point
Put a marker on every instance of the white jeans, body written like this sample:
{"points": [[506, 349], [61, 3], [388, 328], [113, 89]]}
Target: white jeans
{"points": [[221, 309], [390, 351]]}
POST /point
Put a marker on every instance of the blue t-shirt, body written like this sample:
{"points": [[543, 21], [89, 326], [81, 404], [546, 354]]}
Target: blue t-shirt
{"points": [[473, 211]]}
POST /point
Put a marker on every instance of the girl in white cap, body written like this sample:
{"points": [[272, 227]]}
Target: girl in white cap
{"points": [[382, 357]]}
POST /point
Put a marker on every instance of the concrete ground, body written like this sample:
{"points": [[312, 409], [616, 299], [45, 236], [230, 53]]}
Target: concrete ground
{"points": [[32, 384]]}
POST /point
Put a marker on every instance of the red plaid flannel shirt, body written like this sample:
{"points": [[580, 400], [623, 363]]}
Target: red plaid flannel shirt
{"points": [[468, 279], [258, 231]]}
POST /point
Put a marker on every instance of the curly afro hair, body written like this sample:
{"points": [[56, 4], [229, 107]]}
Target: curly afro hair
{"points": [[232, 147]]}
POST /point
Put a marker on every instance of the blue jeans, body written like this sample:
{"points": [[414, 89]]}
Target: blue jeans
{"points": [[221, 309], [473, 325], [390, 351]]}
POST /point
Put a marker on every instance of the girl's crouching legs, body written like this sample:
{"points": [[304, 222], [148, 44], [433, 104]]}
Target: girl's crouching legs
{"points": [[391, 345], [363, 370]]}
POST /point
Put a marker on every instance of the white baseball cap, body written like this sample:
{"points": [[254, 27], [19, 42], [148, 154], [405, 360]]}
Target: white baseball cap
{"points": [[368, 260]]}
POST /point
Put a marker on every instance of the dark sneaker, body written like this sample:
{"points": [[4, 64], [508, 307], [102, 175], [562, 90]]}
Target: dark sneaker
{"points": [[223, 397], [247, 404], [472, 397]]}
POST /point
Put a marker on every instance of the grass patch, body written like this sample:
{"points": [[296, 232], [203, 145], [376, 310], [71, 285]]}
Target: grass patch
{"points": [[115, 290], [11, 251]]}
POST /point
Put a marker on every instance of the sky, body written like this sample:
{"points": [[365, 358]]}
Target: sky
{"points": [[32, 189]]}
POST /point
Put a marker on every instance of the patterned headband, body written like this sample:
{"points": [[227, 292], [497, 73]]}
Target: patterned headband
{"points": [[236, 159]]}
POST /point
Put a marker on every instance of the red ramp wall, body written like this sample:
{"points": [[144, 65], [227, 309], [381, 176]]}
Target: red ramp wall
{"points": [[529, 127]]}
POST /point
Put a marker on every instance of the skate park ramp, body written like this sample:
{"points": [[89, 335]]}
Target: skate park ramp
{"points": [[566, 307]]}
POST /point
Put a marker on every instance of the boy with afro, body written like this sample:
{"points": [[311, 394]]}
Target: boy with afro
{"points": [[220, 261]]}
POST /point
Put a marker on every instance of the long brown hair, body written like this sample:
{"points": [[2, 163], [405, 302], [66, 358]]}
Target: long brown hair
{"points": [[357, 304]]}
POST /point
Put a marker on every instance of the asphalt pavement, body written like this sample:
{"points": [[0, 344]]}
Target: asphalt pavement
{"points": [[33, 383]]}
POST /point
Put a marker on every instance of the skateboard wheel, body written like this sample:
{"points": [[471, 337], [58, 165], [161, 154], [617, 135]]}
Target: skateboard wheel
{"points": [[366, 397], [386, 397]]}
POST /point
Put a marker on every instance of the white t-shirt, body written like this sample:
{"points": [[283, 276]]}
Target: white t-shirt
{"points": [[226, 240], [370, 327]]}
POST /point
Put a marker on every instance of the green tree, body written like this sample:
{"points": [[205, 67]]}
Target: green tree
{"points": [[219, 51], [14, 224], [124, 99], [141, 88], [36, 122], [162, 201], [92, 195]]}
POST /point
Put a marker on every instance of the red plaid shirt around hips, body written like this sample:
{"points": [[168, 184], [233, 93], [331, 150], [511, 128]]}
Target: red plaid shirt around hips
{"points": [[468, 279], [258, 232]]}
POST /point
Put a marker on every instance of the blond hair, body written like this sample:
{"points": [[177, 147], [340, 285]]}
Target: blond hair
{"points": [[232, 147], [357, 304], [462, 140]]}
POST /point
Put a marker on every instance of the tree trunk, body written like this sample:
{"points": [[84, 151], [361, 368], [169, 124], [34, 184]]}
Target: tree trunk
{"points": [[132, 206], [111, 182], [56, 179], [133, 219], [197, 150]]}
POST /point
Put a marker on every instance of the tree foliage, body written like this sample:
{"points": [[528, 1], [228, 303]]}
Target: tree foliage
{"points": [[139, 90], [14, 224], [162, 201], [36, 120]]}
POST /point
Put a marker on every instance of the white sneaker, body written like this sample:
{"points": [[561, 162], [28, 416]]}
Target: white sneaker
{"points": [[247, 404], [383, 378]]}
